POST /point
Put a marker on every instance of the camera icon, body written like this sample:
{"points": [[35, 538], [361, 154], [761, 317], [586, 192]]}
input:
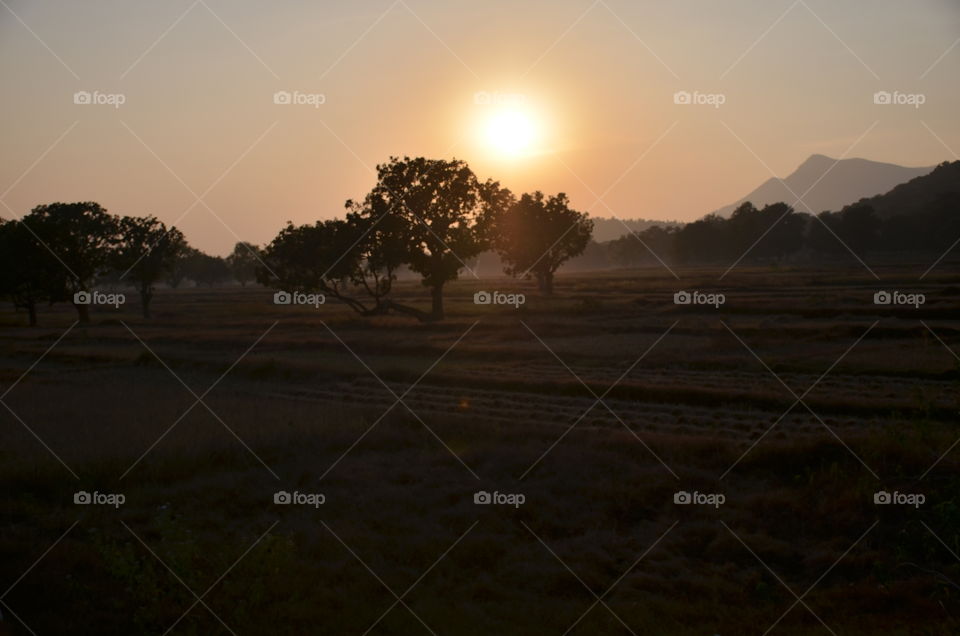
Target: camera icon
{"points": [[882, 97], [482, 98], [282, 298], [682, 298], [82, 498], [882, 298], [282, 97], [482, 298], [881, 497], [282, 497], [482, 497], [681, 497], [82, 298], [682, 97], [82, 97]]}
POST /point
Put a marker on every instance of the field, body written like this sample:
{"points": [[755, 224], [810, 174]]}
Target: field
{"points": [[797, 400]]}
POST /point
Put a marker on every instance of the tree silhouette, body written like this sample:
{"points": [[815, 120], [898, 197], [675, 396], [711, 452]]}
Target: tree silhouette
{"points": [[343, 259], [857, 226], [702, 241], [204, 269], [243, 262], [763, 236], [81, 236], [647, 247], [29, 274], [179, 266], [536, 235], [444, 213], [145, 250]]}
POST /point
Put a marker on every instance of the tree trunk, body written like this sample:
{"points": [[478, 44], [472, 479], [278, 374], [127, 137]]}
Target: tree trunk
{"points": [[545, 283], [436, 295], [32, 311], [83, 313]]}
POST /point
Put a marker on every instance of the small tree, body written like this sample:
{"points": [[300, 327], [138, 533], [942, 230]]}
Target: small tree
{"points": [[179, 266], [536, 235], [243, 262], [344, 259], [29, 274], [146, 250], [81, 236], [204, 269], [443, 212]]}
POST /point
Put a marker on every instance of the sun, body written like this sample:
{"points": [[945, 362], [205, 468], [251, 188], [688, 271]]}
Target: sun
{"points": [[511, 132]]}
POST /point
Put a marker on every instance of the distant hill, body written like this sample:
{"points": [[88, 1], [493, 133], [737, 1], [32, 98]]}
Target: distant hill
{"points": [[850, 180], [608, 229], [918, 194]]}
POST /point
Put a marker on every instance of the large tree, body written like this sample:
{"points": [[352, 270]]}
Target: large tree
{"points": [[81, 236], [444, 213], [537, 234], [145, 251]]}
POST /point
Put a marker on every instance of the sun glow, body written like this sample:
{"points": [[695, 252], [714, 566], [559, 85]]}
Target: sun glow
{"points": [[511, 132], [513, 129]]}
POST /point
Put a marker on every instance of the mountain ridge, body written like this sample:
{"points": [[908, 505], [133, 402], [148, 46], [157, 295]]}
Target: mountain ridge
{"points": [[825, 183]]}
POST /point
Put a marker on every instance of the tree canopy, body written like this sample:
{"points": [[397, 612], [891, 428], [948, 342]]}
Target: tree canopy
{"points": [[537, 234]]}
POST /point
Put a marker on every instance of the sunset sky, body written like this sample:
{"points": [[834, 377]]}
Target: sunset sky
{"points": [[581, 100]]}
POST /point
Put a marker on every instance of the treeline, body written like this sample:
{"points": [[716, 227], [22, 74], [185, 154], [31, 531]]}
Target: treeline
{"points": [[777, 234], [426, 216], [58, 252], [430, 216]]}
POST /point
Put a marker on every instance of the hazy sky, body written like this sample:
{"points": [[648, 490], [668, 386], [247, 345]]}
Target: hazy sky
{"points": [[582, 100]]}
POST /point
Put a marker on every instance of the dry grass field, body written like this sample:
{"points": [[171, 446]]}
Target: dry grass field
{"points": [[797, 400]]}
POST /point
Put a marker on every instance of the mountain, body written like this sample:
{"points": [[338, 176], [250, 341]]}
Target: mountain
{"points": [[919, 194], [849, 180]]}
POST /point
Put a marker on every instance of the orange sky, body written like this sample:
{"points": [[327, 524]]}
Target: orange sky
{"points": [[401, 77]]}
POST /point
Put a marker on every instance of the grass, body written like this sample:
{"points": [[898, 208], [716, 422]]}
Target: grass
{"points": [[397, 500]]}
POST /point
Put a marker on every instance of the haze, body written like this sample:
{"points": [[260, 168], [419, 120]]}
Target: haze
{"points": [[596, 81]]}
